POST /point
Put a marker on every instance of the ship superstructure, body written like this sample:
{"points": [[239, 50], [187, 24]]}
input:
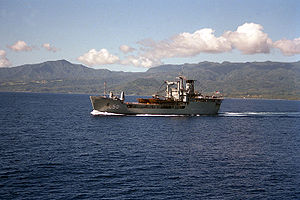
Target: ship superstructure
{"points": [[180, 99]]}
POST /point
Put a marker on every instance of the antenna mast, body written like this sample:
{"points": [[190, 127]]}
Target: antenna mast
{"points": [[104, 88]]}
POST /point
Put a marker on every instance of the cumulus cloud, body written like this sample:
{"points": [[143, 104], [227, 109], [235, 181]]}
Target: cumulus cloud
{"points": [[126, 49], [94, 57], [20, 46], [249, 39], [48, 47], [186, 45], [4, 62], [288, 47], [139, 61], [181, 45]]}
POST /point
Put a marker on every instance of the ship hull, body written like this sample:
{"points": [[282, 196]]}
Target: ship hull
{"points": [[199, 107]]}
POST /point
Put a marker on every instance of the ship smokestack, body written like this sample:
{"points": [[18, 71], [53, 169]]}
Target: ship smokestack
{"points": [[122, 96], [190, 86], [111, 95]]}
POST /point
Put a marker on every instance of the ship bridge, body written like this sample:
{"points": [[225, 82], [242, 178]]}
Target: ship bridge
{"points": [[179, 91]]}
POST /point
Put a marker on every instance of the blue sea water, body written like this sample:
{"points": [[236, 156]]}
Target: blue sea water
{"points": [[51, 147]]}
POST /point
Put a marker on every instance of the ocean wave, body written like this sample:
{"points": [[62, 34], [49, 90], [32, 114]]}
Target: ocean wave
{"points": [[262, 114], [96, 112]]}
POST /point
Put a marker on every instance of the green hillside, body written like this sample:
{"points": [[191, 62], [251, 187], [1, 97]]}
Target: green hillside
{"points": [[274, 80]]}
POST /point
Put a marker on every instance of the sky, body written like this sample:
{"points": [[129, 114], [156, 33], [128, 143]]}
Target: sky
{"points": [[134, 35]]}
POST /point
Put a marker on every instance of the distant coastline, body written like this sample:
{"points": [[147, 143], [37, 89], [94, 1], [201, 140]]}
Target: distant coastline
{"points": [[255, 80], [70, 93]]}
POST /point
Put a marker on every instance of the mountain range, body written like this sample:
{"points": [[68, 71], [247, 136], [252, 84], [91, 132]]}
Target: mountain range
{"points": [[273, 80]]}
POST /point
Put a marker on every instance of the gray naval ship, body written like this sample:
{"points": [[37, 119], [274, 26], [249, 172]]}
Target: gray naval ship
{"points": [[180, 99]]}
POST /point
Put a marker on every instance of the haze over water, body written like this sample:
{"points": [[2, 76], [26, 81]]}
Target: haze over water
{"points": [[51, 147]]}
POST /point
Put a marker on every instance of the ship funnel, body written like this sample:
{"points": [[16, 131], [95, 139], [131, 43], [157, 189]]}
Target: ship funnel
{"points": [[190, 86], [122, 96], [111, 95]]}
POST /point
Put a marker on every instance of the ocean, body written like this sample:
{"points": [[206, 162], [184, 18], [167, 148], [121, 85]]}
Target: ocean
{"points": [[51, 147]]}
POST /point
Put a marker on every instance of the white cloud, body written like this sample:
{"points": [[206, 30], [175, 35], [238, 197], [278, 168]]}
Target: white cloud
{"points": [[48, 47], [186, 45], [126, 49], [4, 62], [181, 45], [140, 61], [94, 57], [249, 39], [20, 46], [288, 47]]}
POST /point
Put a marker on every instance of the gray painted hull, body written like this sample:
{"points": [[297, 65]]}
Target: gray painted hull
{"points": [[203, 107]]}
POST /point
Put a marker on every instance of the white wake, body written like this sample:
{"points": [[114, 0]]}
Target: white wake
{"points": [[222, 114], [269, 114], [96, 112]]}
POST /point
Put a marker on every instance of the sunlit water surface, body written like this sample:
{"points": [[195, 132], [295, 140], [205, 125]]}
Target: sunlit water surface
{"points": [[51, 147]]}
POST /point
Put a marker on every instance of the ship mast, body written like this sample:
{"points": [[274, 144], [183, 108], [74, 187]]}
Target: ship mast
{"points": [[104, 88]]}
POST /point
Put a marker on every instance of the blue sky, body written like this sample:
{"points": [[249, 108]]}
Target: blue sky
{"points": [[152, 32]]}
